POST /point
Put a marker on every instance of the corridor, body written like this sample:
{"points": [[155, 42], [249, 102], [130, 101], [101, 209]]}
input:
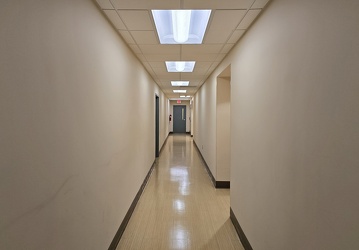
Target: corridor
{"points": [[180, 208]]}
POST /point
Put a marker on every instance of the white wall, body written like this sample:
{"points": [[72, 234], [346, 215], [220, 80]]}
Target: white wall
{"points": [[188, 114], [223, 135], [192, 114], [76, 126], [295, 126], [204, 122], [211, 125]]}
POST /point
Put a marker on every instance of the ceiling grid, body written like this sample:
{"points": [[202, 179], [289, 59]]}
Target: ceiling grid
{"points": [[229, 20]]}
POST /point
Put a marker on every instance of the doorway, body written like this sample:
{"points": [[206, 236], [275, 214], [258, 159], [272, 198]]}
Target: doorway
{"points": [[157, 127], [179, 118], [223, 135]]}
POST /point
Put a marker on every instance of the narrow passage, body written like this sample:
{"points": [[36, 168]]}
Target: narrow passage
{"points": [[180, 208]]}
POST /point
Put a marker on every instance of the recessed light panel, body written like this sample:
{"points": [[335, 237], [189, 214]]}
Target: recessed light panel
{"points": [[180, 66], [181, 26], [179, 83], [179, 91]]}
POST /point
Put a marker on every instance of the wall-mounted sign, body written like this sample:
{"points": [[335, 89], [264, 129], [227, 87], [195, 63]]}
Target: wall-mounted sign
{"points": [[178, 101]]}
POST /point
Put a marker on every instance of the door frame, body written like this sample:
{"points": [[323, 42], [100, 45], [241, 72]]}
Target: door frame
{"points": [[157, 126]]}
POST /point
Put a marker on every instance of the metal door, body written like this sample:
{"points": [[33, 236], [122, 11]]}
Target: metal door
{"points": [[179, 119]]}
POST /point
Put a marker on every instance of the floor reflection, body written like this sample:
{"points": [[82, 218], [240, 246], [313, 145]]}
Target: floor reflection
{"points": [[180, 237], [180, 174], [179, 208]]}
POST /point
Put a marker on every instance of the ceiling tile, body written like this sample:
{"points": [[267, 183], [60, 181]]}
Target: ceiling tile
{"points": [[212, 36], [147, 65], [199, 57], [158, 64], [222, 25], [191, 76], [135, 48], [236, 35], [203, 65], [127, 36], [170, 76], [141, 57], [213, 66], [248, 19], [145, 37], [216, 4], [160, 49], [201, 48], [105, 4], [259, 4], [227, 48], [149, 69], [160, 71], [147, 4], [136, 19], [229, 21], [198, 71], [166, 83], [226, 19], [162, 57], [115, 19], [220, 57]]}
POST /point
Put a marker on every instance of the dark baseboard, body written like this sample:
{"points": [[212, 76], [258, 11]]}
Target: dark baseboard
{"points": [[179, 133], [163, 145], [242, 236], [216, 184], [205, 164], [223, 184], [128, 215]]}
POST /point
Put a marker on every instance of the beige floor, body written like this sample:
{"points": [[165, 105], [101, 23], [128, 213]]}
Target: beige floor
{"points": [[179, 208]]}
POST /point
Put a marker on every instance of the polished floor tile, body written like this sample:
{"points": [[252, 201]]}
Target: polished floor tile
{"points": [[180, 208]]}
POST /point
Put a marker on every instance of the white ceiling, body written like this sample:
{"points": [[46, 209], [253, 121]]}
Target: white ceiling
{"points": [[228, 22]]}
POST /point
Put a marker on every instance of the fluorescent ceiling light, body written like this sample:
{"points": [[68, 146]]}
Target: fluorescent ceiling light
{"points": [[181, 26], [180, 91], [182, 96], [180, 66], [181, 20], [188, 96], [179, 83]]}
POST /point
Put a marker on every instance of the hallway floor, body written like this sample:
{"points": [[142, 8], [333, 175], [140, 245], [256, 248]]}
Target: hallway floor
{"points": [[180, 208]]}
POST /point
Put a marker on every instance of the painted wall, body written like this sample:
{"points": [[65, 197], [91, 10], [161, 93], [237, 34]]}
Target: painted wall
{"points": [[223, 135], [188, 114], [192, 114], [76, 126], [294, 126], [204, 122]]}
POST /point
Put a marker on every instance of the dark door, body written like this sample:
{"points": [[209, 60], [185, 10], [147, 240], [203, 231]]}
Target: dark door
{"points": [[179, 119], [157, 133]]}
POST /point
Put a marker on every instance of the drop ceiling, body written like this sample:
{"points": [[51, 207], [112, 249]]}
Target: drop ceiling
{"points": [[228, 22]]}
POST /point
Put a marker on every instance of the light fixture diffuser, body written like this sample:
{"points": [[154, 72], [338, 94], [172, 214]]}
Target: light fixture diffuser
{"points": [[180, 66], [181, 20], [179, 83], [181, 26], [179, 91]]}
